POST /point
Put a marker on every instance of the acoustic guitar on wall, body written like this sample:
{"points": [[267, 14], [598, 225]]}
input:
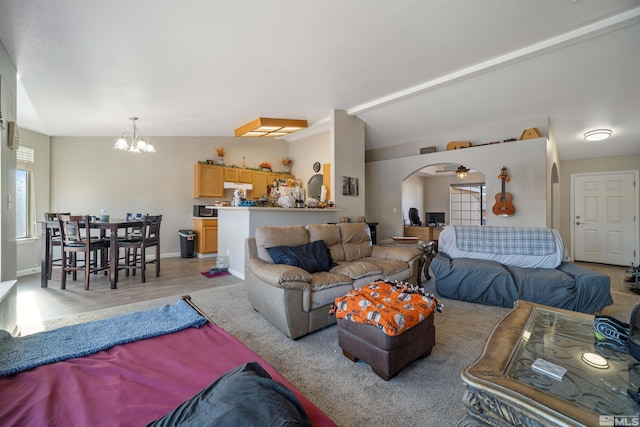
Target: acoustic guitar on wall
{"points": [[503, 206]]}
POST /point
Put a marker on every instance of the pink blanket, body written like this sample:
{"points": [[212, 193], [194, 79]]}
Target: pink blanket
{"points": [[131, 384]]}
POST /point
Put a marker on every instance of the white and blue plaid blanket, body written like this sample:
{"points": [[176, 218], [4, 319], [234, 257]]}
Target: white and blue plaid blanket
{"points": [[505, 240]]}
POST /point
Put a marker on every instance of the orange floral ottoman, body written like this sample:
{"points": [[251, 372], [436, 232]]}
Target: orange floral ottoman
{"points": [[387, 325]]}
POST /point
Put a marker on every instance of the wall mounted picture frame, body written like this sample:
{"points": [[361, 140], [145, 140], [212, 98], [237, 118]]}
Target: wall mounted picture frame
{"points": [[349, 186]]}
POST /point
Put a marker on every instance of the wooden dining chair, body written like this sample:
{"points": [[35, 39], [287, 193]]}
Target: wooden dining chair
{"points": [[54, 242], [138, 244], [75, 238], [130, 234]]}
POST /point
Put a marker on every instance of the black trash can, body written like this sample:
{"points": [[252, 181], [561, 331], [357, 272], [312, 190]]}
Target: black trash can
{"points": [[187, 243]]}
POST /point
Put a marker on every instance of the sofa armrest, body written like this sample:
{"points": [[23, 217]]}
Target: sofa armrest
{"points": [[394, 252], [279, 275]]}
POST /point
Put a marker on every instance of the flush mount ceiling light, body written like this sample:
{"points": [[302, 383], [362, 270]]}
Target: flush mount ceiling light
{"points": [[136, 142], [270, 127], [597, 134], [462, 172]]}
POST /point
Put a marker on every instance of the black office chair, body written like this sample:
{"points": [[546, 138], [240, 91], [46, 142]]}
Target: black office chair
{"points": [[414, 216]]}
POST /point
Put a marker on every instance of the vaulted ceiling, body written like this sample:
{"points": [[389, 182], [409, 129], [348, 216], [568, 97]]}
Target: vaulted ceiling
{"points": [[411, 70]]}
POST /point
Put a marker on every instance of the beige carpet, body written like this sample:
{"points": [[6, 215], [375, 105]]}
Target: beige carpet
{"points": [[427, 393]]}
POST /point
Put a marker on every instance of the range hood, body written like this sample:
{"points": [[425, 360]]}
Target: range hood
{"points": [[238, 186]]}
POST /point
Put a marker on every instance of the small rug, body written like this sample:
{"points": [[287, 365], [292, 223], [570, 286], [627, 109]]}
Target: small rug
{"points": [[209, 275], [22, 353]]}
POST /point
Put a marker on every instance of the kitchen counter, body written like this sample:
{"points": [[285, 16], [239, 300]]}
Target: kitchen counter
{"points": [[235, 224]]}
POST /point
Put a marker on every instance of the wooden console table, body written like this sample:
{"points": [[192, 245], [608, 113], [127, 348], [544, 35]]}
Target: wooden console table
{"points": [[423, 233]]}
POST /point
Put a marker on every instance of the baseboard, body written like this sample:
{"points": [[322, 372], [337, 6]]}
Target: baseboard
{"points": [[28, 271]]}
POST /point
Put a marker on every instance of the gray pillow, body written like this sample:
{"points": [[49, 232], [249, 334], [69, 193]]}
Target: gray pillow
{"points": [[244, 396]]}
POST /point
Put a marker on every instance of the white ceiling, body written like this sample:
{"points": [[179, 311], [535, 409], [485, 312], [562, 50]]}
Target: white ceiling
{"points": [[411, 70]]}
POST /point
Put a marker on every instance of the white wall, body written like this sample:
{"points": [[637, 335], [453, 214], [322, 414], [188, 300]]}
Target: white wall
{"points": [[307, 151], [413, 195], [7, 170], [525, 162], [348, 142], [87, 174]]}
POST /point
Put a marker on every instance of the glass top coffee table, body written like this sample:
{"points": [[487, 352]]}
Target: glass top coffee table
{"points": [[504, 390]]}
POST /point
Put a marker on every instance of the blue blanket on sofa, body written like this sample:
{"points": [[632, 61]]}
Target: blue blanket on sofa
{"points": [[19, 354]]}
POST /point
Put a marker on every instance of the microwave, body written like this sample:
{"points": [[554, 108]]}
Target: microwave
{"points": [[202, 210]]}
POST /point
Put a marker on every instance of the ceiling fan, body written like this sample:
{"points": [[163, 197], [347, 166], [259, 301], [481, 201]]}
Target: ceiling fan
{"points": [[461, 171]]}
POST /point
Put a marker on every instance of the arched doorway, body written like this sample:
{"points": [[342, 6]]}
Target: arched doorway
{"points": [[433, 189]]}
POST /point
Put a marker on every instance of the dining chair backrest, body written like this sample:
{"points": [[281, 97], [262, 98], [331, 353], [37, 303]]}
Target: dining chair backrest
{"points": [[53, 216], [71, 228], [151, 229], [134, 231]]}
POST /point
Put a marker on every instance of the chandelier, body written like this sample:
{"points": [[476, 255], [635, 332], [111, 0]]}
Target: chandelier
{"points": [[136, 142]]}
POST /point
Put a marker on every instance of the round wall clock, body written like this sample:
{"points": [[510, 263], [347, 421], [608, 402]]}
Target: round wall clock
{"points": [[316, 167]]}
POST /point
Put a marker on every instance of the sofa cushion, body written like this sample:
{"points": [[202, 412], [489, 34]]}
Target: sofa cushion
{"points": [[388, 266], [330, 235], [271, 236], [546, 286], [312, 257], [325, 288], [356, 240], [357, 269]]}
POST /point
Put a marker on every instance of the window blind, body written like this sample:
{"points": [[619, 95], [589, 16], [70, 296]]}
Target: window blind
{"points": [[25, 158]]}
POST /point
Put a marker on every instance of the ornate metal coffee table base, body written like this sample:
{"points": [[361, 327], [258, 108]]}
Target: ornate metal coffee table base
{"points": [[504, 390], [484, 409]]}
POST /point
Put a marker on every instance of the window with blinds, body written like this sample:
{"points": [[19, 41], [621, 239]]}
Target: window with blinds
{"points": [[468, 204], [24, 191], [25, 158]]}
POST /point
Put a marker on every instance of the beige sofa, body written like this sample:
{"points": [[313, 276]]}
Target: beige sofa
{"points": [[297, 301]]}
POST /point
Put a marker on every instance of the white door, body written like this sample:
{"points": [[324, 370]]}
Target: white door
{"points": [[605, 207]]}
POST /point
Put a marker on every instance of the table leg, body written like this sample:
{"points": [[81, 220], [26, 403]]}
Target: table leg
{"points": [[428, 257], [113, 257], [44, 266]]}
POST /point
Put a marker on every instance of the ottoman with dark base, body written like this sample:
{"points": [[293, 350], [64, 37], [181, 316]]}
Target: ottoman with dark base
{"points": [[386, 355]]}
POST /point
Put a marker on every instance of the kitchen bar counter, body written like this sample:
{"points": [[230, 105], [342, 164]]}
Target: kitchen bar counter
{"points": [[235, 224]]}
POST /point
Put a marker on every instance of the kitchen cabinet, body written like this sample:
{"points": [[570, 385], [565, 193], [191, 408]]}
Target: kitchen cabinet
{"points": [[231, 175], [208, 180], [245, 176], [206, 235], [273, 176], [259, 184], [238, 175]]}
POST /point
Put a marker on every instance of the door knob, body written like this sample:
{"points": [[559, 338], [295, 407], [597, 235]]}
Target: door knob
{"points": [[578, 223]]}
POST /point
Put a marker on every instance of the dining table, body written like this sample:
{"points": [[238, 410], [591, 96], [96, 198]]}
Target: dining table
{"points": [[110, 226]]}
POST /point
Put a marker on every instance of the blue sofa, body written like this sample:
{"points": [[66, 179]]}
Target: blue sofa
{"points": [[477, 273]]}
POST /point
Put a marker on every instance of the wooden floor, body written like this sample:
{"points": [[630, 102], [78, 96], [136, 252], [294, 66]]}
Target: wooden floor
{"points": [[177, 276]]}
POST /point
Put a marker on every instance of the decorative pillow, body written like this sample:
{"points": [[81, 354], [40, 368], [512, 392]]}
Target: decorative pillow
{"points": [[312, 257]]}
